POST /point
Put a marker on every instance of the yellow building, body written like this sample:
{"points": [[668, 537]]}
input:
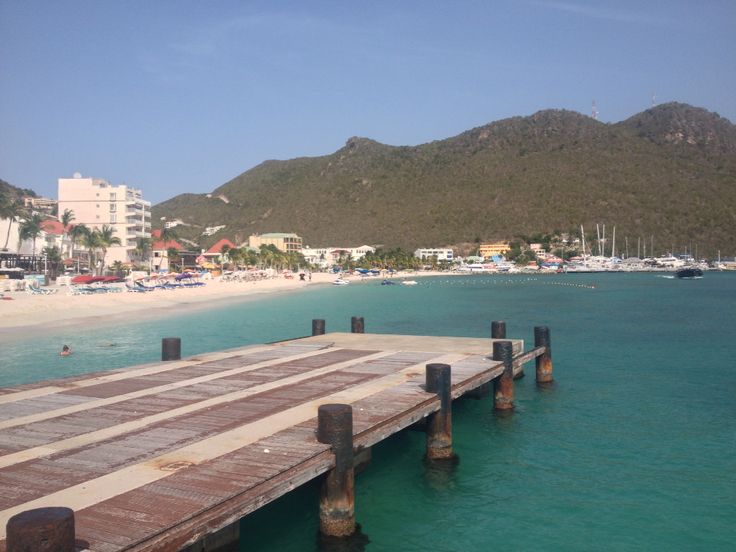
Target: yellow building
{"points": [[286, 242], [488, 250]]}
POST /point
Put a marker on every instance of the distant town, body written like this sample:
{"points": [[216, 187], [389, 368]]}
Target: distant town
{"points": [[98, 228]]}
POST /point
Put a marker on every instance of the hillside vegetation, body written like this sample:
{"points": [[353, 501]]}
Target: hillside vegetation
{"points": [[669, 172]]}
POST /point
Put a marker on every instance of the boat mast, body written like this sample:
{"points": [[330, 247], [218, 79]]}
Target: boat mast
{"points": [[603, 241], [598, 235], [613, 244], [582, 236]]}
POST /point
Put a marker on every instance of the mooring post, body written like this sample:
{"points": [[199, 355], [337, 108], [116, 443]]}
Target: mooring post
{"points": [[42, 529], [544, 361], [439, 424], [357, 324], [337, 498], [318, 327], [171, 348], [503, 386], [498, 329]]}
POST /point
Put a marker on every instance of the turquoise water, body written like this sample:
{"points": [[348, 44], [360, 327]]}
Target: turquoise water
{"points": [[633, 449]]}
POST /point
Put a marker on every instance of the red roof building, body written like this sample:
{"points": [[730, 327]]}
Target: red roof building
{"points": [[165, 246], [217, 248], [53, 227]]}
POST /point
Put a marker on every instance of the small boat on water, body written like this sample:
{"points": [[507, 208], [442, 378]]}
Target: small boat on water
{"points": [[388, 283], [689, 272], [409, 283], [340, 282]]}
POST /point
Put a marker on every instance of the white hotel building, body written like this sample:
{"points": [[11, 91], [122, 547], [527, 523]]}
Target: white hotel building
{"points": [[96, 202], [441, 254]]}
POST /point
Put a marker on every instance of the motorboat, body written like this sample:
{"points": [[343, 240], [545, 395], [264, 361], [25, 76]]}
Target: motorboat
{"points": [[340, 282], [689, 273], [388, 283], [409, 283]]}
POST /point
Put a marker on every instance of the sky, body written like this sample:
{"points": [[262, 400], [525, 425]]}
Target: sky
{"points": [[180, 96]]}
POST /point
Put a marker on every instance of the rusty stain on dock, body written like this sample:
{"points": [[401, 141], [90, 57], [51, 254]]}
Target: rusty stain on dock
{"points": [[154, 457]]}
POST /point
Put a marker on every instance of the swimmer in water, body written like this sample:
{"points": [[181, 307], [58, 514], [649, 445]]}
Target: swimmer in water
{"points": [[65, 351]]}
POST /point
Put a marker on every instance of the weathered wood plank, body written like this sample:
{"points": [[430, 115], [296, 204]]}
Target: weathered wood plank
{"points": [[153, 419]]}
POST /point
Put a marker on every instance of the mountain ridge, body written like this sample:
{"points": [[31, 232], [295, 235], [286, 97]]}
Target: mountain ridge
{"points": [[668, 171]]}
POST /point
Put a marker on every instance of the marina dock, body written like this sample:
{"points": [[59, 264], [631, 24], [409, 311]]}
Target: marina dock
{"points": [[166, 455]]}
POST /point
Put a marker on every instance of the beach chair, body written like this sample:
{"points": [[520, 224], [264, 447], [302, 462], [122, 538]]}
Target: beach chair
{"points": [[130, 286], [32, 288]]}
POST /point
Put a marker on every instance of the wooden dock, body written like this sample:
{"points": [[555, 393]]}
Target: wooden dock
{"points": [[156, 457]]}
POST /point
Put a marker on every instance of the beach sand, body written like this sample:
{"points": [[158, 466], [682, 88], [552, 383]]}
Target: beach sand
{"points": [[28, 314]]}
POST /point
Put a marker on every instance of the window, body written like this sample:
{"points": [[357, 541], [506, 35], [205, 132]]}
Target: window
{"points": [[113, 218], [112, 196], [113, 206]]}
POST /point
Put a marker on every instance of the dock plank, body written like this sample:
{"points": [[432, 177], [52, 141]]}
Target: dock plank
{"points": [[153, 457]]}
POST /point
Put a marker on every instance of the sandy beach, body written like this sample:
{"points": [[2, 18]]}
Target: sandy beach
{"points": [[30, 314]]}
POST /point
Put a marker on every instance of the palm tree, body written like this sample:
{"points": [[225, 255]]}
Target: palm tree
{"points": [[167, 235], [173, 255], [53, 260], [76, 234], [118, 268], [266, 254], [91, 240], [142, 248], [66, 221], [30, 229], [107, 238], [10, 209]]}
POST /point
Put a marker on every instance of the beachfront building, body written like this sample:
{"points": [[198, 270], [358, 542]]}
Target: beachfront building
{"points": [[160, 252], [286, 242], [325, 257], [441, 254], [490, 250], [96, 202], [320, 256], [55, 236], [357, 253], [215, 253]]}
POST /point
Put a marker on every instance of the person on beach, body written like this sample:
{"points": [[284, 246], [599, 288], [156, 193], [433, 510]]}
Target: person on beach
{"points": [[65, 351]]}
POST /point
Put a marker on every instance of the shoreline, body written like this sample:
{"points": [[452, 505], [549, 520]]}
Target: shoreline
{"points": [[31, 315]]}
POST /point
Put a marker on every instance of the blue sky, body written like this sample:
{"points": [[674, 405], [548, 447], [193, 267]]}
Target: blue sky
{"points": [[177, 96]]}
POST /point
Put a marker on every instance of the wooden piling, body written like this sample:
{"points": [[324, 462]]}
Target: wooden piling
{"points": [[171, 348], [498, 329], [544, 361], [357, 324], [41, 530], [337, 497], [503, 386], [318, 327], [439, 424]]}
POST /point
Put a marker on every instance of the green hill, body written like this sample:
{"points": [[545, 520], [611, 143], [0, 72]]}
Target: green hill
{"points": [[669, 172], [13, 193]]}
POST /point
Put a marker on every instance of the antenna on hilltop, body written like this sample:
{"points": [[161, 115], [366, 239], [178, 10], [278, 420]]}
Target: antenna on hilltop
{"points": [[594, 112]]}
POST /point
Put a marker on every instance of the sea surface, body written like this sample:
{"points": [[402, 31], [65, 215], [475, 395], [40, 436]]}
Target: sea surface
{"points": [[634, 448]]}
